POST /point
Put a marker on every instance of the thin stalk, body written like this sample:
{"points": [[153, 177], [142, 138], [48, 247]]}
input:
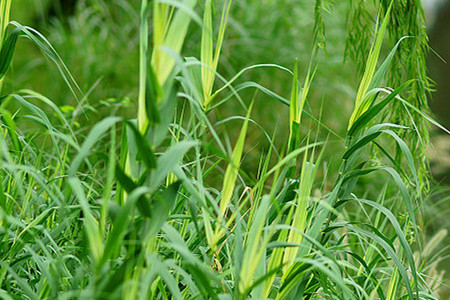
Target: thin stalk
{"points": [[5, 11], [143, 69]]}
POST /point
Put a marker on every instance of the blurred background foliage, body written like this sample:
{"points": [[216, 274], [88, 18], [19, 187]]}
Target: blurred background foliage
{"points": [[98, 42]]}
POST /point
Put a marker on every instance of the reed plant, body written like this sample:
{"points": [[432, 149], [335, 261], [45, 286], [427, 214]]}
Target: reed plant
{"points": [[163, 206]]}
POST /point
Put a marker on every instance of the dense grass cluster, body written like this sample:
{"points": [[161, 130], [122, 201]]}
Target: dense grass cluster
{"points": [[166, 205]]}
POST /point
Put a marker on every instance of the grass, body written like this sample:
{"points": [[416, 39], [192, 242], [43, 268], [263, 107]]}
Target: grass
{"points": [[164, 205]]}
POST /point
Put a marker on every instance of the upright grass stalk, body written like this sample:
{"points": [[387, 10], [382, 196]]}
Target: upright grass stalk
{"points": [[143, 67], [169, 31], [296, 218], [407, 19], [5, 10], [297, 102], [369, 81], [299, 215], [170, 27], [255, 246], [208, 56], [229, 183], [295, 111]]}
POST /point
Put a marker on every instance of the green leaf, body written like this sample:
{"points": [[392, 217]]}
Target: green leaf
{"points": [[7, 51], [232, 170], [369, 80]]}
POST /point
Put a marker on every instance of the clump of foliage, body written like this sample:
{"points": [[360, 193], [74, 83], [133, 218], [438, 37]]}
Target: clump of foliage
{"points": [[162, 206]]}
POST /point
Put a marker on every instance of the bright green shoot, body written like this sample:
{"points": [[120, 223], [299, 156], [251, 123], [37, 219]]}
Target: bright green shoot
{"points": [[143, 48], [229, 182], [170, 26], [300, 212], [297, 103], [363, 97], [5, 9], [294, 110], [209, 56]]}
